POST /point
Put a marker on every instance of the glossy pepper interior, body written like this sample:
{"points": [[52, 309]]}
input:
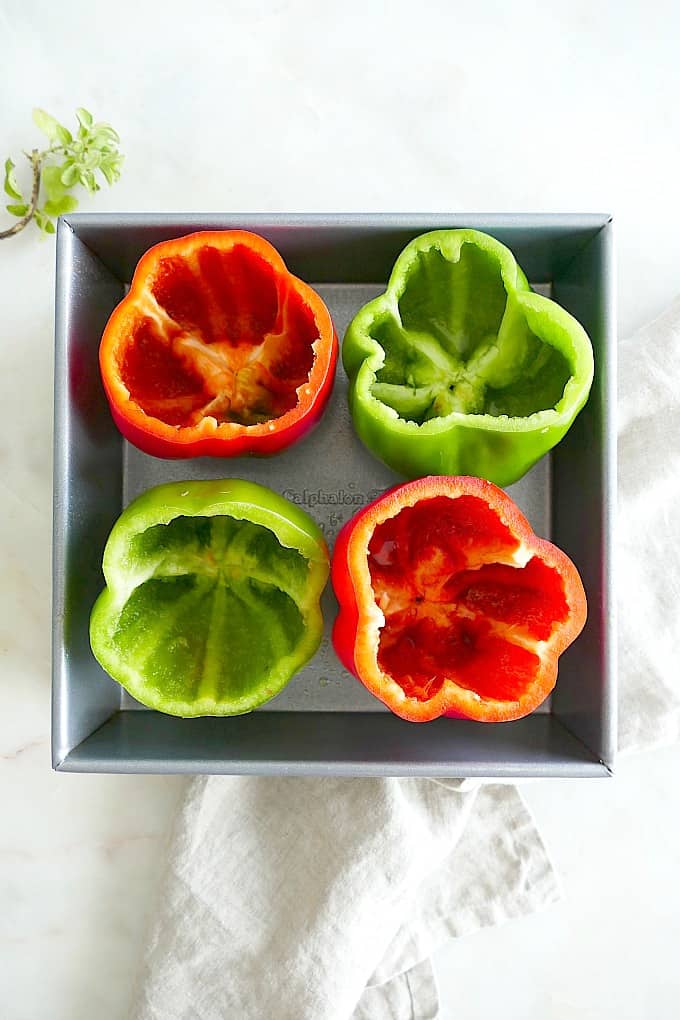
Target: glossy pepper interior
{"points": [[459, 368], [450, 605], [219, 610], [217, 350], [449, 351], [456, 603], [219, 336], [212, 596]]}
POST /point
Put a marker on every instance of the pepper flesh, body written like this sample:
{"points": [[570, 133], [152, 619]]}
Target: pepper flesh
{"points": [[459, 367], [212, 597], [450, 604], [217, 350]]}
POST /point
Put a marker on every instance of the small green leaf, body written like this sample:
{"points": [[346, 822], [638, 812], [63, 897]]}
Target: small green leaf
{"points": [[64, 135], [17, 210], [92, 159], [51, 178], [109, 173], [84, 117], [104, 133], [113, 160], [70, 175], [59, 207], [11, 187], [46, 123], [44, 222], [40, 218], [87, 179]]}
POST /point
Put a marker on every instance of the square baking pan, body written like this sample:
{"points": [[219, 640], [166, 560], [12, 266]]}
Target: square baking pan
{"points": [[325, 722]]}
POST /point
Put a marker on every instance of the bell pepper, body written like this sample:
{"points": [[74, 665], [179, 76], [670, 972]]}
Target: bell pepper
{"points": [[212, 597], [217, 350], [459, 367], [450, 604]]}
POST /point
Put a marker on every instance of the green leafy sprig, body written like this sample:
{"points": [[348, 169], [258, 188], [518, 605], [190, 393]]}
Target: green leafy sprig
{"points": [[68, 161]]}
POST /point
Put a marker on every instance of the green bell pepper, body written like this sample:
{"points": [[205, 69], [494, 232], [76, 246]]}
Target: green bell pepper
{"points": [[459, 368], [212, 597]]}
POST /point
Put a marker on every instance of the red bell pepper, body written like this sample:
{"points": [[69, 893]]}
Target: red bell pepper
{"points": [[217, 350], [450, 604]]}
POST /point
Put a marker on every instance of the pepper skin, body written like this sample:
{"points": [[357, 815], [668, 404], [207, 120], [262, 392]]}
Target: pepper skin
{"points": [[217, 350], [459, 367], [450, 604], [212, 597]]}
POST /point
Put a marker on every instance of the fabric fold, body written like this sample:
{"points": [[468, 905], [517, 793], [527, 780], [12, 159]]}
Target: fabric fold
{"points": [[302, 898]]}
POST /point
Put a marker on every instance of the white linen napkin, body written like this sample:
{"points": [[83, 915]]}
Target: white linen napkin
{"points": [[648, 541], [322, 899]]}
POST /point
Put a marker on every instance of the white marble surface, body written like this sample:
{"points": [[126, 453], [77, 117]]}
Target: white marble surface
{"points": [[291, 107]]}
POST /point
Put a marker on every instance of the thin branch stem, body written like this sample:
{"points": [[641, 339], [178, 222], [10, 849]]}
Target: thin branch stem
{"points": [[36, 163]]}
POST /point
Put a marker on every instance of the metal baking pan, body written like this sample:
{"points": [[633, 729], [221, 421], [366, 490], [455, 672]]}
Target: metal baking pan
{"points": [[325, 722]]}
